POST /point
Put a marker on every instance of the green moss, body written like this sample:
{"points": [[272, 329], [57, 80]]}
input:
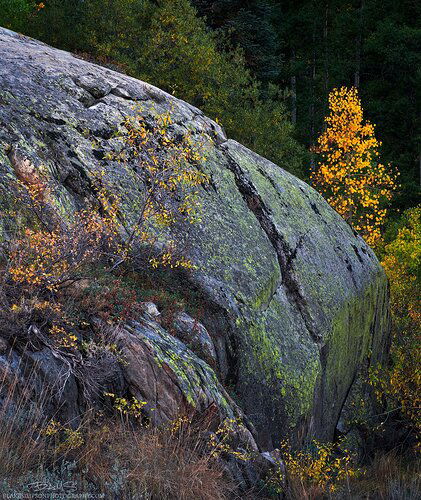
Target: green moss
{"points": [[296, 384], [265, 295], [351, 336]]}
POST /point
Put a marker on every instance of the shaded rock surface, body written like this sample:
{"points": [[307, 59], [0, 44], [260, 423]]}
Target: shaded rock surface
{"points": [[163, 371], [148, 363], [296, 302], [195, 334]]}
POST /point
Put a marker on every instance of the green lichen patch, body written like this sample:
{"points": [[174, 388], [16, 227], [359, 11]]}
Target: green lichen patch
{"points": [[196, 379]]}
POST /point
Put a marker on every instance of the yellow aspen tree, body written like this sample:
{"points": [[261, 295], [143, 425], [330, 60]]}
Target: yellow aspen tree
{"points": [[350, 175]]}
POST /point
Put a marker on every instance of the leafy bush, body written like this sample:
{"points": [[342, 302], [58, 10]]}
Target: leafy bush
{"points": [[399, 385], [49, 258], [161, 175], [168, 45], [317, 470]]}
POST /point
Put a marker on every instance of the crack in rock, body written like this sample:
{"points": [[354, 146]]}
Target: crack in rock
{"points": [[284, 252]]}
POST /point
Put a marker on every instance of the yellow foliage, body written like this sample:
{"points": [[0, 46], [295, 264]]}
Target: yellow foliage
{"points": [[128, 408], [165, 176], [48, 258], [50, 254], [63, 338], [350, 176], [402, 381], [66, 438], [321, 464], [219, 441]]}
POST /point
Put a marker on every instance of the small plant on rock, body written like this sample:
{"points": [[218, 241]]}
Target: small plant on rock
{"points": [[161, 176]]}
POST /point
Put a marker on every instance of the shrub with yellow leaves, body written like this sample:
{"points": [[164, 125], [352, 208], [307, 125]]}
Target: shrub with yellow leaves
{"points": [[62, 337], [49, 258], [127, 407], [350, 175], [320, 468], [44, 255], [163, 174], [400, 383], [48, 252], [220, 440], [64, 438]]}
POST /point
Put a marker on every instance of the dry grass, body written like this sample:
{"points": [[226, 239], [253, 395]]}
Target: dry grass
{"points": [[107, 455], [126, 460], [20, 419], [160, 463], [297, 490], [390, 477]]}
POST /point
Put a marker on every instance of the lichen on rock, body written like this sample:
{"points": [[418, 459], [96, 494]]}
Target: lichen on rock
{"points": [[294, 299]]}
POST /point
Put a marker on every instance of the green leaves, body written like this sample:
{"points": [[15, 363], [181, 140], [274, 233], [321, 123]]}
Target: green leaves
{"points": [[166, 43], [13, 13]]}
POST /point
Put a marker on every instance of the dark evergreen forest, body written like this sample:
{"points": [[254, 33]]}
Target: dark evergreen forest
{"points": [[264, 68], [311, 47]]}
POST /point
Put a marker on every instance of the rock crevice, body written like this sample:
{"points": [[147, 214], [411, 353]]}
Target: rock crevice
{"points": [[285, 254], [292, 318]]}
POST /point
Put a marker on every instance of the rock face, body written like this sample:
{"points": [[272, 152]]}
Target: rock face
{"points": [[195, 334], [295, 301], [161, 370]]}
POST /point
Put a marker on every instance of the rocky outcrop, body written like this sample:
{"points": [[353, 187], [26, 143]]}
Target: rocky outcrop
{"points": [[161, 370], [147, 363], [294, 300], [195, 334]]}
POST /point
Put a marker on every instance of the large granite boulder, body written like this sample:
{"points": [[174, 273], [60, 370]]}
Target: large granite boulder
{"points": [[294, 300]]}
